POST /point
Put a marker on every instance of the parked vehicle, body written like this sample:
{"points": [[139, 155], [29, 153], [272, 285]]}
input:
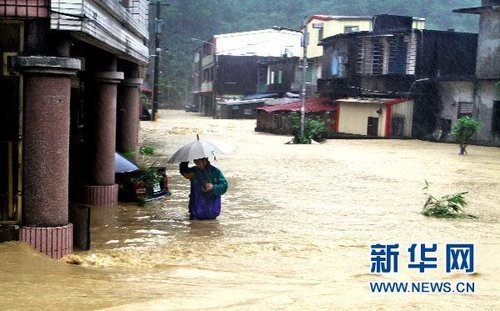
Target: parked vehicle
{"points": [[191, 108], [139, 185]]}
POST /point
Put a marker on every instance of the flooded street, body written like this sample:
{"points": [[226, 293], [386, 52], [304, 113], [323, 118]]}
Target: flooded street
{"points": [[295, 230]]}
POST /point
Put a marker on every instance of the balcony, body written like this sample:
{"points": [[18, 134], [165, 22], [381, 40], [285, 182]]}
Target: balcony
{"points": [[335, 87], [109, 25]]}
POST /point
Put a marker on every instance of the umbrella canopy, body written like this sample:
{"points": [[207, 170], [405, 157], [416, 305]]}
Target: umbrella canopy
{"points": [[124, 165], [200, 148]]}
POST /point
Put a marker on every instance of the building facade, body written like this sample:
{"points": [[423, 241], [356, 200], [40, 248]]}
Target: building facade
{"points": [[71, 76], [235, 64], [483, 96], [396, 61], [319, 27]]}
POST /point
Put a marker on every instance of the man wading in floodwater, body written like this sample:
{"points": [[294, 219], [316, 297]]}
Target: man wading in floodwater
{"points": [[207, 186]]}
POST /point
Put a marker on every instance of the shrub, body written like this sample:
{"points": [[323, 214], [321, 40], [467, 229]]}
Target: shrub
{"points": [[147, 150], [314, 129], [463, 130]]}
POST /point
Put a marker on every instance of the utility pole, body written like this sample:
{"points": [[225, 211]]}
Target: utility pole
{"points": [[156, 70], [305, 39], [305, 42]]}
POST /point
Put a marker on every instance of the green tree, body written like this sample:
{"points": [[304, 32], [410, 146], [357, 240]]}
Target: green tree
{"points": [[314, 129], [463, 130]]}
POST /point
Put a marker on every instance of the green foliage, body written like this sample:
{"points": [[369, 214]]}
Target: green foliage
{"points": [[149, 177], [147, 150], [314, 129], [145, 100], [463, 130], [129, 154], [448, 206]]}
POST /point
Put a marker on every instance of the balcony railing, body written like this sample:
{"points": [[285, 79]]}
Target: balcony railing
{"points": [[335, 87]]}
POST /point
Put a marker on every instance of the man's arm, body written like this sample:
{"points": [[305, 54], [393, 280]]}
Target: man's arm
{"points": [[186, 171]]}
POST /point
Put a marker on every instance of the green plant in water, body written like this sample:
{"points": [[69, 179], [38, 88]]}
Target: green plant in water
{"points": [[149, 178], [313, 129], [448, 206], [147, 150], [129, 154], [463, 130]]}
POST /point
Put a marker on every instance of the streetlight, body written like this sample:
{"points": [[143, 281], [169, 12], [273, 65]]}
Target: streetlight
{"points": [[215, 62]]}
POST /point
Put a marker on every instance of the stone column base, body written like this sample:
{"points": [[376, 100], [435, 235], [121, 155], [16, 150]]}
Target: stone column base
{"points": [[55, 242], [101, 195]]}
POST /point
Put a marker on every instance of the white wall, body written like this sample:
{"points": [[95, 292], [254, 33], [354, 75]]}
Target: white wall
{"points": [[268, 42]]}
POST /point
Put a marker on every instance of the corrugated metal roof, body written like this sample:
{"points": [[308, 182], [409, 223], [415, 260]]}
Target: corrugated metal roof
{"points": [[371, 100], [312, 105]]}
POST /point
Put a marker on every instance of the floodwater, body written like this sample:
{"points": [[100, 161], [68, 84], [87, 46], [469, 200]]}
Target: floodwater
{"points": [[295, 233]]}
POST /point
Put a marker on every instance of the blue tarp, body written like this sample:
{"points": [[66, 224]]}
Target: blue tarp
{"points": [[123, 165]]}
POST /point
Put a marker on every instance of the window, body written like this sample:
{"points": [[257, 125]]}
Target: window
{"points": [[349, 29], [309, 74], [338, 65], [464, 110], [280, 77], [208, 74], [320, 34], [495, 118], [126, 3]]}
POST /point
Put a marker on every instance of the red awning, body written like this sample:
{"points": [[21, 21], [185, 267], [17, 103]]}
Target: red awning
{"points": [[312, 105]]}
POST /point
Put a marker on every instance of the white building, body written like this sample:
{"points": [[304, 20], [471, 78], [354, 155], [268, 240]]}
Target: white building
{"points": [[267, 42]]}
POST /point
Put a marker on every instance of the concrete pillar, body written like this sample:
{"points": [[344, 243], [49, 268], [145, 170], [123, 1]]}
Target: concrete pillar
{"points": [[127, 127], [102, 189], [47, 88]]}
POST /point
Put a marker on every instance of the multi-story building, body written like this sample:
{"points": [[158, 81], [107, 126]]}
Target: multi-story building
{"points": [[319, 27], [235, 64], [389, 78], [482, 100], [70, 83]]}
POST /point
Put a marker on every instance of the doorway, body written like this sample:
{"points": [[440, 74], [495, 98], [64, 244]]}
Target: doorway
{"points": [[10, 129], [372, 129]]}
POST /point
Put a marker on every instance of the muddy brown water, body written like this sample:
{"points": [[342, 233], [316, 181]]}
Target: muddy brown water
{"points": [[294, 234]]}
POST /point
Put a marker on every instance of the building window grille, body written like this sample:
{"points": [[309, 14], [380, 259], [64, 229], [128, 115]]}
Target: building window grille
{"points": [[24, 8], [464, 110]]}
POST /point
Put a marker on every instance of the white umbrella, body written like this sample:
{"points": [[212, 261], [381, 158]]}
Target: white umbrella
{"points": [[200, 149]]}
